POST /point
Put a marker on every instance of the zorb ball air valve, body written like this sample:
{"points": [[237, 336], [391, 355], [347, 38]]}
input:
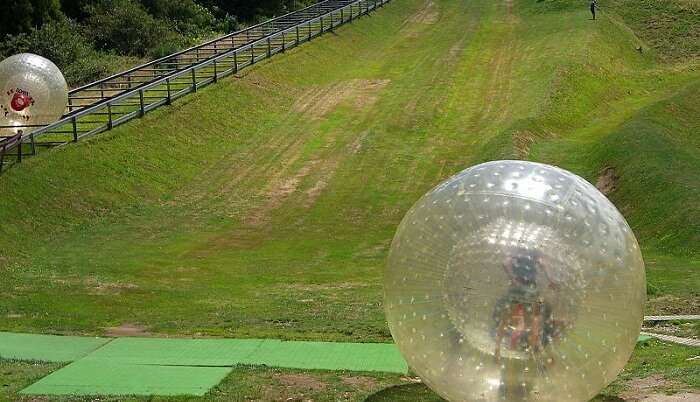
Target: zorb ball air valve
{"points": [[515, 281], [34, 93]]}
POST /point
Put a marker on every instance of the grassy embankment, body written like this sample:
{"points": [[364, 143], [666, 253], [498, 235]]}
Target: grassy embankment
{"points": [[264, 206]]}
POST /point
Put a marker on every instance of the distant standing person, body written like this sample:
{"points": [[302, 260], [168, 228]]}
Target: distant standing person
{"points": [[594, 6]]}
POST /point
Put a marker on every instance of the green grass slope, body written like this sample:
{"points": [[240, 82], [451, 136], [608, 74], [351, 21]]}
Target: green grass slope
{"points": [[670, 27], [288, 182], [264, 206]]}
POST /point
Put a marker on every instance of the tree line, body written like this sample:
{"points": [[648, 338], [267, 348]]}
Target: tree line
{"points": [[89, 39]]}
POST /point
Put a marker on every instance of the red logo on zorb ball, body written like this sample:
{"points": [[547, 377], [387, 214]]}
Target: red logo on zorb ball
{"points": [[20, 101]]}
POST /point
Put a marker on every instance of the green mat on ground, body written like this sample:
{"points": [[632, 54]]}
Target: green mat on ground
{"points": [[229, 352], [157, 366], [177, 352], [48, 348], [89, 377], [153, 366], [381, 357]]}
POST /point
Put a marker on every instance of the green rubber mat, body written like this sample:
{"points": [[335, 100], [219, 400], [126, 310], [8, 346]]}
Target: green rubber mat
{"points": [[153, 366], [330, 356], [48, 348], [177, 352], [230, 352], [90, 377]]}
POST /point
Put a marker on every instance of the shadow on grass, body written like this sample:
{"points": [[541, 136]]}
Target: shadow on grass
{"points": [[421, 393], [406, 392]]}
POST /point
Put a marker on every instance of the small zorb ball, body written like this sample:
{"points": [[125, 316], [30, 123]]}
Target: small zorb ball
{"points": [[33, 93], [515, 281]]}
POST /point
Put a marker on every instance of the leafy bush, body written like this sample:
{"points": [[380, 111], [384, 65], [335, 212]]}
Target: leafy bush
{"points": [[61, 42], [249, 10], [18, 16], [74, 9], [90, 39], [126, 27], [184, 16]]}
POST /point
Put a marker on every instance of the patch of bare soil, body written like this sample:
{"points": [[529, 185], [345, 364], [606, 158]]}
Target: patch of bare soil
{"points": [[283, 180], [277, 192], [673, 305], [314, 192], [328, 169], [497, 90], [126, 330], [95, 287], [645, 385], [607, 181], [360, 382], [356, 146], [282, 187], [682, 330], [332, 286], [367, 92], [376, 251], [278, 162], [509, 7], [682, 397], [293, 388], [360, 93], [412, 380], [522, 140], [317, 295], [649, 389], [302, 381], [428, 14], [455, 50]]}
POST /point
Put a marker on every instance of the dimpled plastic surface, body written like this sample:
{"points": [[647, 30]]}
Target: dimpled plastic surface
{"points": [[34, 92], [515, 281]]}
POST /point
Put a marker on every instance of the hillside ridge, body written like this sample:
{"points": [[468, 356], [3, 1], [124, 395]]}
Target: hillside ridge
{"points": [[283, 186]]}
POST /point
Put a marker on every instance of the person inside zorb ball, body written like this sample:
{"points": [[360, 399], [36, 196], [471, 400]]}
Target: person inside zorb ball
{"points": [[515, 281], [33, 92]]}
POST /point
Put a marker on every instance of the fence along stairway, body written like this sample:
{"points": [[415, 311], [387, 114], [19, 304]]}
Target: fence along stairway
{"points": [[104, 104]]}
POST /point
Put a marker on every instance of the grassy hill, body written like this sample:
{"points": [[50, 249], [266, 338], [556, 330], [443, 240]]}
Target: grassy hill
{"points": [[264, 206]]}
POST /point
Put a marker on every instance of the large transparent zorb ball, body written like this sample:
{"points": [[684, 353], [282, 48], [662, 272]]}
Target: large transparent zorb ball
{"points": [[515, 281], [33, 93]]}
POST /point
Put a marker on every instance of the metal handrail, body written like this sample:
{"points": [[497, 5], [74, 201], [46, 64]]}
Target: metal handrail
{"points": [[237, 58], [99, 86], [200, 46]]}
